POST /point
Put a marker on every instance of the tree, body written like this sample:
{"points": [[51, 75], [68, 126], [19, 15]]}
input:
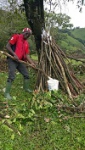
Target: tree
{"points": [[35, 17], [61, 21]]}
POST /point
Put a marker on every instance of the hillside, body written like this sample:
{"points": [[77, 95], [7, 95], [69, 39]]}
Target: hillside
{"points": [[79, 33], [74, 41]]}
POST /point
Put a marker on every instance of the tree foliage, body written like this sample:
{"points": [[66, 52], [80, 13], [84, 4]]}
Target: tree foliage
{"points": [[11, 23], [57, 20]]}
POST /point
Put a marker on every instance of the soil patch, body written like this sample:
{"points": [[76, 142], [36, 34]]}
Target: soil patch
{"points": [[3, 65]]}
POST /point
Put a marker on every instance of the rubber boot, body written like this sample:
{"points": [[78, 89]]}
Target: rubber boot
{"points": [[26, 85], [7, 91]]}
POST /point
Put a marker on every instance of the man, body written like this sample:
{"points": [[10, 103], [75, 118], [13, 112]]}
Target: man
{"points": [[18, 47]]}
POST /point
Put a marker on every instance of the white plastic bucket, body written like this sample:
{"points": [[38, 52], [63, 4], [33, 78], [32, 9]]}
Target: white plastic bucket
{"points": [[53, 84]]}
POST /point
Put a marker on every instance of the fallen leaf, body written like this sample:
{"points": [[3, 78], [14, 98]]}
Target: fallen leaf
{"points": [[47, 120]]}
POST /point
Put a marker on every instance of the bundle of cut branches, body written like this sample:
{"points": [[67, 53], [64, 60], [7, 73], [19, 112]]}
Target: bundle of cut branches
{"points": [[53, 63]]}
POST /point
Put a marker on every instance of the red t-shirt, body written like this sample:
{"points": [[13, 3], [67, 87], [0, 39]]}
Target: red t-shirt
{"points": [[22, 46]]}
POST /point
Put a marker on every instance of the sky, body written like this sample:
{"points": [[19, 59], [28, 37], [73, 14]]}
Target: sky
{"points": [[77, 18], [71, 9]]}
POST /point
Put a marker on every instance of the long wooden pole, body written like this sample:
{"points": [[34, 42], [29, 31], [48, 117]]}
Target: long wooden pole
{"points": [[26, 63]]}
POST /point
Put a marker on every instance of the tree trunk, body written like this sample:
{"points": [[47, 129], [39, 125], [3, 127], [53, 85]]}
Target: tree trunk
{"points": [[35, 17]]}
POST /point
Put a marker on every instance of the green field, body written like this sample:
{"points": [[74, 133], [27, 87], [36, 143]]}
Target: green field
{"points": [[35, 121]]}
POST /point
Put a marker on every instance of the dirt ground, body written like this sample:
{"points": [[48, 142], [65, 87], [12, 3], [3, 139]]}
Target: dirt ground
{"points": [[3, 65]]}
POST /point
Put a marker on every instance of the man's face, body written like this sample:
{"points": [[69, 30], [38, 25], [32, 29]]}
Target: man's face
{"points": [[26, 35]]}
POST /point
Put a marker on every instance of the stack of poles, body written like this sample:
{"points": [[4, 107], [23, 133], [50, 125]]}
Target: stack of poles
{"points": [[53, 63]]}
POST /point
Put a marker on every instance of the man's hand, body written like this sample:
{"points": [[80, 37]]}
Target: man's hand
{"points": [[16, 57], [33, 65], [30, 61]]}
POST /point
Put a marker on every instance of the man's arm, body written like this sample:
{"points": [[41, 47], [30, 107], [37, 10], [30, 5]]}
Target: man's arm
{"points": [[30, 60], [8, 46]]}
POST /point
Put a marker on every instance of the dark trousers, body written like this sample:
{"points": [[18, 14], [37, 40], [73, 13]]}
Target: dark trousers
{"points": [[12, 66]]}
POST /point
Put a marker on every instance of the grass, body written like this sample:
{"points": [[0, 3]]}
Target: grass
{"points": [[79, 33], [34, 57], [36, 123]]}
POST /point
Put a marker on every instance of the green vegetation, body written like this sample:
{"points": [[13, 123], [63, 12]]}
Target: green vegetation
{"points": [[36, 122], [72, 40], [79, 33], [11, 23], [70, 45]]}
